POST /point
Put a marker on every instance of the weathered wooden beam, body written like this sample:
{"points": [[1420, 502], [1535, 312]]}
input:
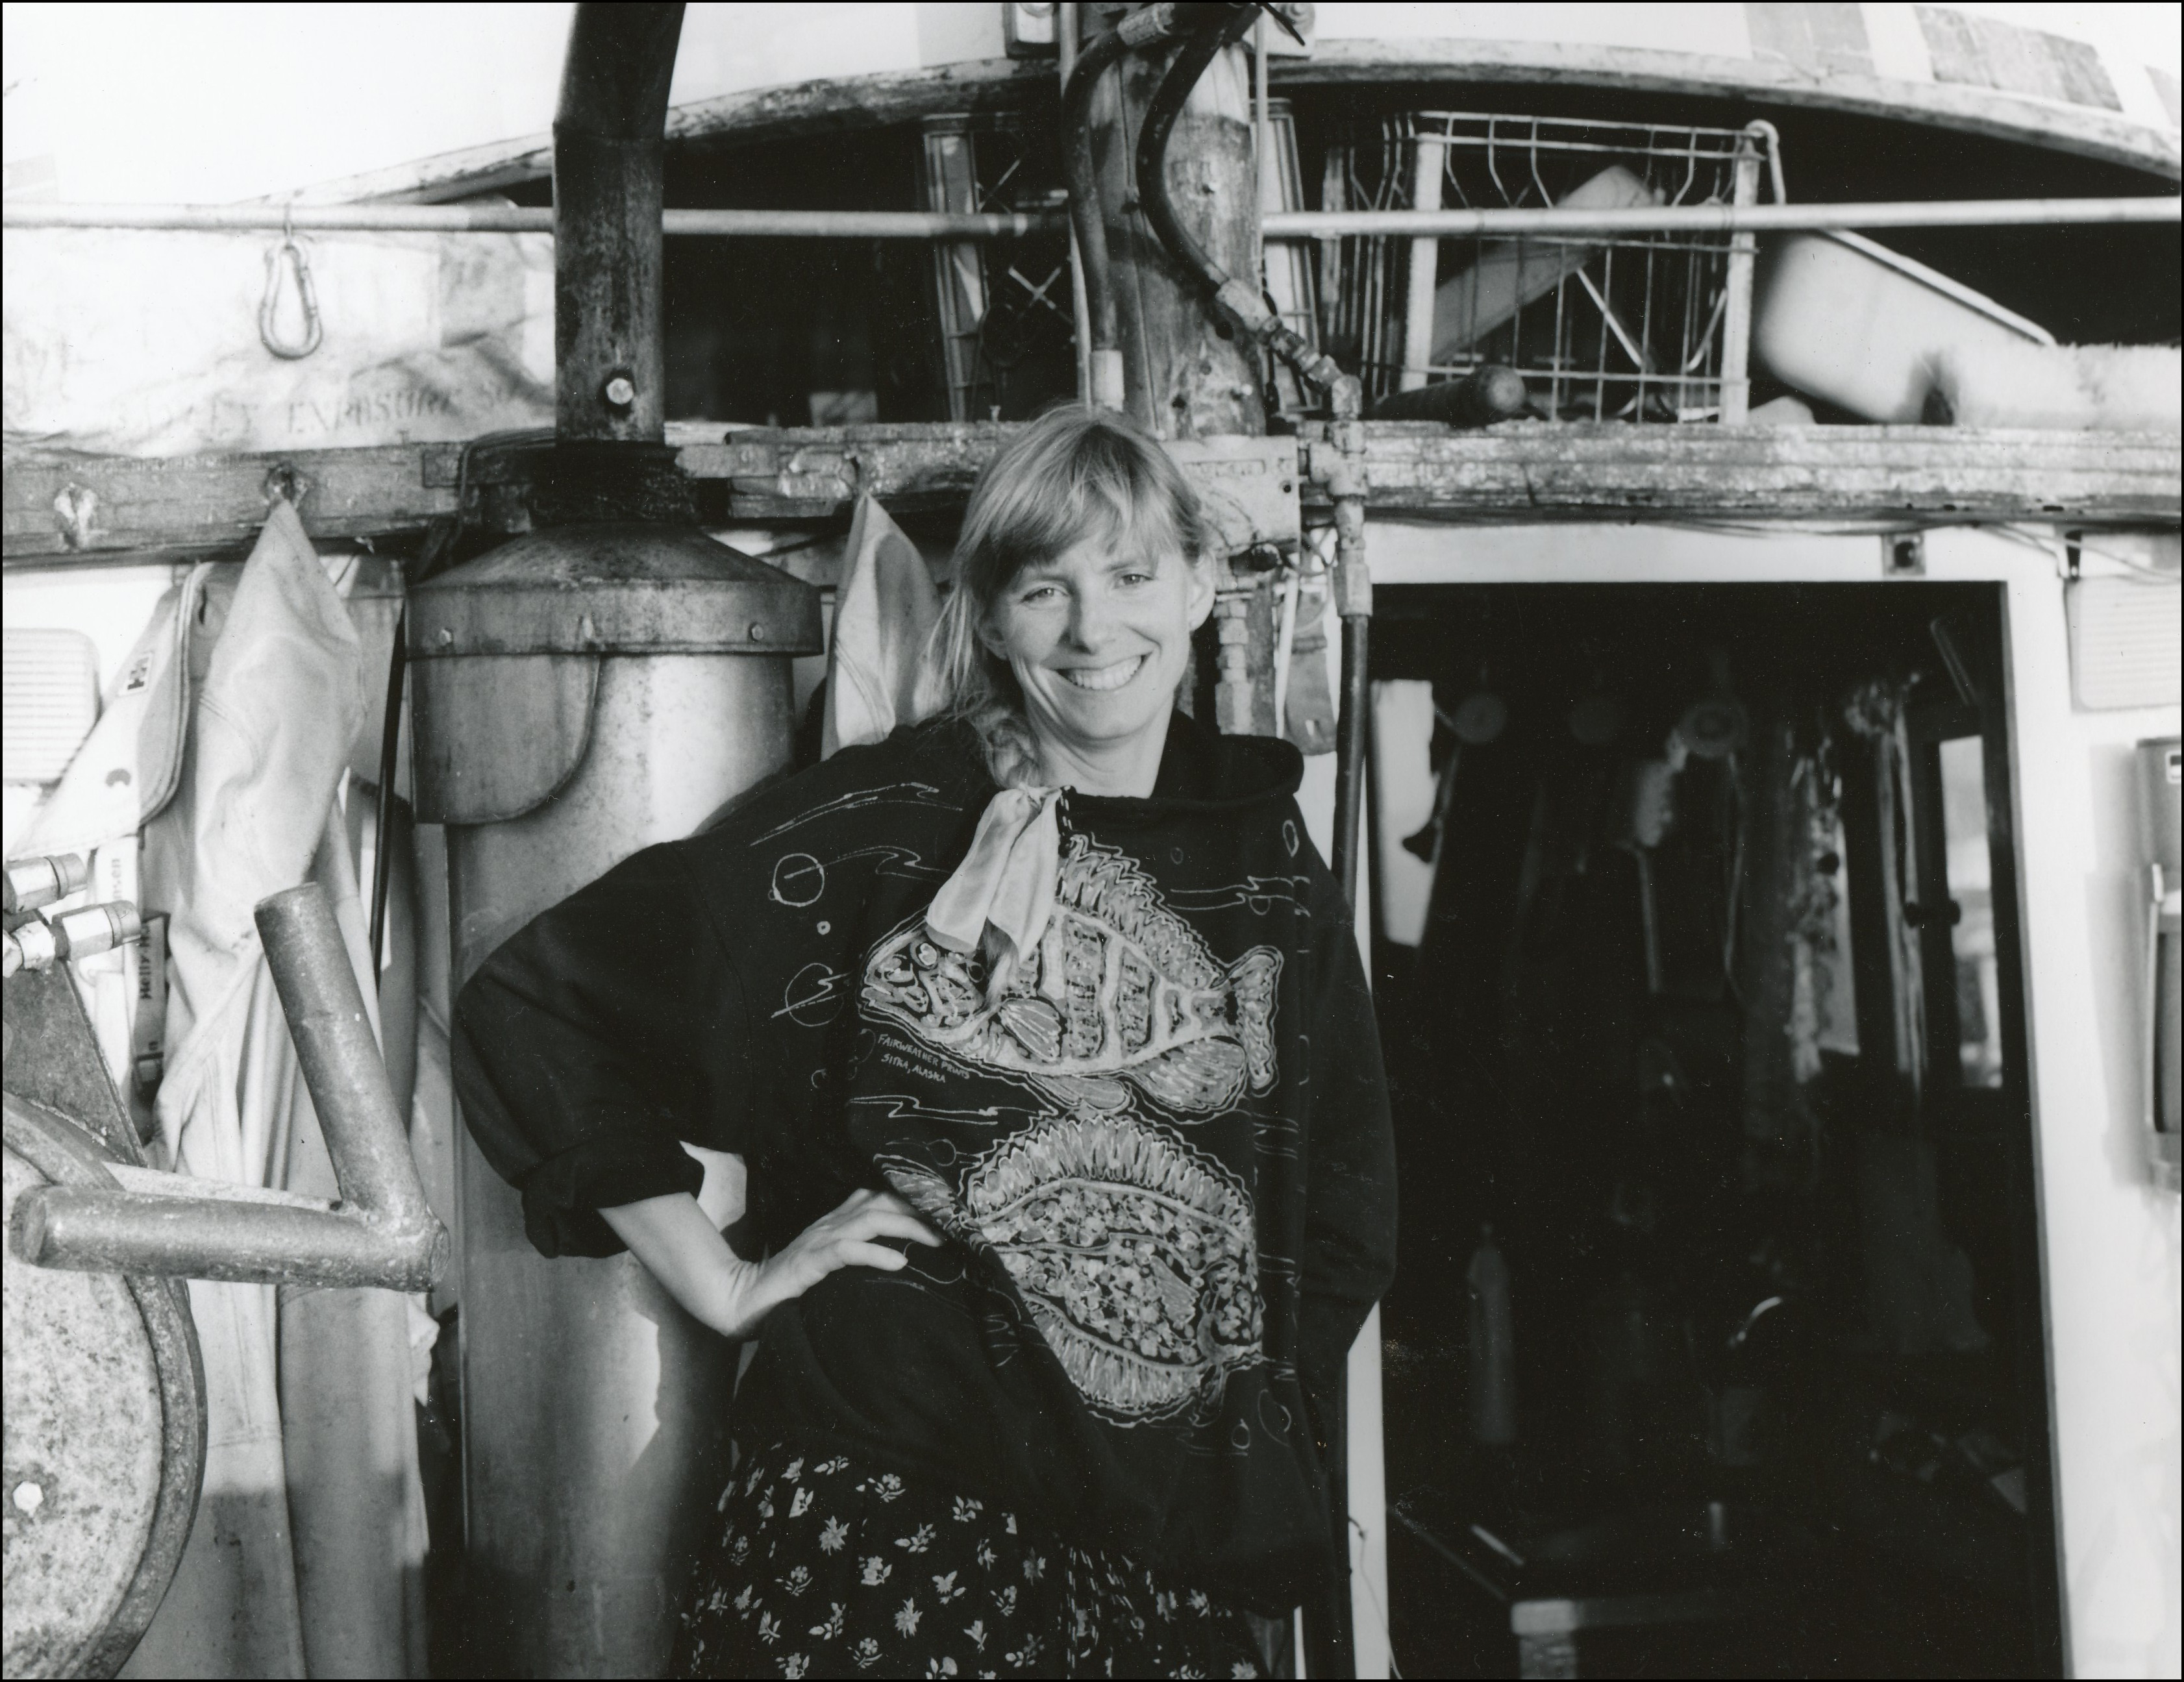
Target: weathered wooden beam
{"points": [[59, 505], [1537, 471], [808, 472], [91, 507]]}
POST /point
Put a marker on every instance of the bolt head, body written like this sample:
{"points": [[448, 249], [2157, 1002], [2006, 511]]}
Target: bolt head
{"points": [[620, 391]]}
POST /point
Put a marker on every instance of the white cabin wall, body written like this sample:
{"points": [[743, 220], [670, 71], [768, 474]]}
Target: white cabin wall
{"points": [[2111, 1262]]}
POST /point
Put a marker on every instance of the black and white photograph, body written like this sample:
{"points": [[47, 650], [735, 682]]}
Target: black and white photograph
{"points": [[1205, 839]]}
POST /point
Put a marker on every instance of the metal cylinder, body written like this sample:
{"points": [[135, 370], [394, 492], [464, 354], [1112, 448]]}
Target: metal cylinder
{"points": [[89, 930], [581, 694], [32, 882]]}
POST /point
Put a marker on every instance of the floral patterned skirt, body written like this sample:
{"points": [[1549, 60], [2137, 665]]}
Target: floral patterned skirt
{"points": [[821, 1567]]}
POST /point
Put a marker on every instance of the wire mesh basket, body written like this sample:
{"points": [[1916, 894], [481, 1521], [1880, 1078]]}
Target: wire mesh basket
{"points": [[1603, 327], [1007, 314]]}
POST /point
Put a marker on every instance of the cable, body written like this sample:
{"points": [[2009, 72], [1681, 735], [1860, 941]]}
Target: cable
{"points": [[1228, 26]]}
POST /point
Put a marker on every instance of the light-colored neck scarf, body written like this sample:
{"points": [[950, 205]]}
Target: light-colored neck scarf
{"points": [[1006, 883]]}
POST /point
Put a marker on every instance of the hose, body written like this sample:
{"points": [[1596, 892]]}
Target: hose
{"points": [[1239, 301], [1226, 26]]}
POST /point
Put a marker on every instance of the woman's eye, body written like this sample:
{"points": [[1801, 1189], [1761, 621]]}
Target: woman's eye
{"points": [[1136, 578]]}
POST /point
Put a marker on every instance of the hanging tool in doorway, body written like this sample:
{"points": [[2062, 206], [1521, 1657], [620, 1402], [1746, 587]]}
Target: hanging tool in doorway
{"points": [[1479, 720]]}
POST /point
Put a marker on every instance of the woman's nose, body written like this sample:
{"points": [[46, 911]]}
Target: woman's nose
{"points": [[1090, 621]]}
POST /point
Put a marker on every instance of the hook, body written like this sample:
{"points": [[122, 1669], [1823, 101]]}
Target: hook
{"points": [[305, 292]]}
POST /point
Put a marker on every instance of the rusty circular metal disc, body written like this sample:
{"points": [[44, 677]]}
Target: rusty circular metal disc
{"points": [[105, 1433]]}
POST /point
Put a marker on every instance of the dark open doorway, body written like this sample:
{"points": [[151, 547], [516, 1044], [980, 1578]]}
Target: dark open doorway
{"points": [[1717, 1348]]}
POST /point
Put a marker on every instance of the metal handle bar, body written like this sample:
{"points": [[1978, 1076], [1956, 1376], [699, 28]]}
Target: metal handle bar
{"points": [[379, 1232]]}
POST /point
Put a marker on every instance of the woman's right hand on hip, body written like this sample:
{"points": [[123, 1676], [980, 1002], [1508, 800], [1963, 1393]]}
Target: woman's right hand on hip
{"points": [[673, 1237], [848, 1236]]}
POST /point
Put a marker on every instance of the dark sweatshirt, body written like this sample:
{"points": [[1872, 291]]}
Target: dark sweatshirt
{"points": [[1159, 1152]]}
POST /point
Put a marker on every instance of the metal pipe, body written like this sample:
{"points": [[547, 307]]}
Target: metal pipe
{"points": [[1670, 219], [1427, 168], [340, 1060], [87, 1229], [1736, 290], [1353, 600], [1087, 220], [30, 884], [380, 1234], [609, 173], [390, 743], [1067, 32], [516, 219], [1285, 225]]}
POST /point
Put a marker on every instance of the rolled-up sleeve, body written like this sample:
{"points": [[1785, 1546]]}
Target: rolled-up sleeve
{"points": [[1348, 1258], [589, 1045]]}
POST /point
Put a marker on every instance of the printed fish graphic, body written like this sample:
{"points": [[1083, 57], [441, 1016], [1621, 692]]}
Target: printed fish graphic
{"points": [[1119, 988], [1133, 1255]]}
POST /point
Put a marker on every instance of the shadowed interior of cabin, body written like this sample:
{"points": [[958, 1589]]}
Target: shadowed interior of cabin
{"points": [[1709, 1107]]}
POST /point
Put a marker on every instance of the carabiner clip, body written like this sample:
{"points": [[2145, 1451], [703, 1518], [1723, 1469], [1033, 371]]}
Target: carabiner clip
{"points": [[305, 292]]}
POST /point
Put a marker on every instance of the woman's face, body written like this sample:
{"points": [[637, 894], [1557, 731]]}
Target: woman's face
{"points": [[1100, 643]]}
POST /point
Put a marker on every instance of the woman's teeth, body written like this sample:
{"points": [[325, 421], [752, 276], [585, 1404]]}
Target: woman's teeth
{"points": [[1105, 677]]}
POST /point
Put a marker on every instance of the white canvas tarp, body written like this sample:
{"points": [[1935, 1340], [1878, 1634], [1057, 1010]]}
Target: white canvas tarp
{"points": [[148, 343]]}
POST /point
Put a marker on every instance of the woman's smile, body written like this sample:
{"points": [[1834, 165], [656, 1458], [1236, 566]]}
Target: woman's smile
{"points": [[1105, 676]]}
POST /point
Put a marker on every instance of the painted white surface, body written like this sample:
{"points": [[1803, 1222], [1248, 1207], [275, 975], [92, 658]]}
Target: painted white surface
{"points": [[109, 605], [99, 94], [2111, 1241], [1405, 792]]}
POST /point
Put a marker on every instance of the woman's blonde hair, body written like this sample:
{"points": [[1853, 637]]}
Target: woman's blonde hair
{"points": [[1072, 474]]}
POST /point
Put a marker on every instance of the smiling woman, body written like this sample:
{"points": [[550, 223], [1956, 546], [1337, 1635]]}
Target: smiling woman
{"points": [[1081, 575], [1044, 1037]]}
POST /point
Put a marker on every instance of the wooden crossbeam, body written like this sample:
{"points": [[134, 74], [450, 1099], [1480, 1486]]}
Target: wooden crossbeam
{"points": [[58, 506]]}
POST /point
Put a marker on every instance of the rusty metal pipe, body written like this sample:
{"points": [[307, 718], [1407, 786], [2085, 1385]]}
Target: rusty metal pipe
{"points": [[380, 1233], [340, 1060], [609, 165], [87, 1229]]}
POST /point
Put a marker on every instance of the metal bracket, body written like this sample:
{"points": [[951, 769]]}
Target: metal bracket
{"points": [[1248, 488], [1903, 555]]}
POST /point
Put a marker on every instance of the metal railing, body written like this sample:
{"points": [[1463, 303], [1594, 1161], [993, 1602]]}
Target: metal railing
{"points": [[1288, 224]]}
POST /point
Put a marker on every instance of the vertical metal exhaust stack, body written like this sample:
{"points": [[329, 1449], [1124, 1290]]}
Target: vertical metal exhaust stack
{"points": [[608, 681]]}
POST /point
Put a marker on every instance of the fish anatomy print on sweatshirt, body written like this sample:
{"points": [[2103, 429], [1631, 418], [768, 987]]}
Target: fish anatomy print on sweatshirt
{"points": [[1119, 989], [1134, 1252]]}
